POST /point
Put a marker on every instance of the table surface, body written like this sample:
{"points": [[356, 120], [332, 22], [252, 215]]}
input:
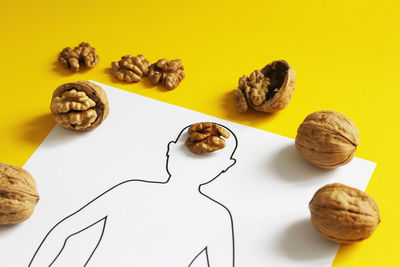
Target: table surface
{"points": [[345, 54]]}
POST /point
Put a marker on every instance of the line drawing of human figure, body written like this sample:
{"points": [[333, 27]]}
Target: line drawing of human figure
{"points": [[174, 211]]}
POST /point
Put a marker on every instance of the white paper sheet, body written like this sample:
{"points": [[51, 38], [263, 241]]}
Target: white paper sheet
{"points": [[253, 215]]}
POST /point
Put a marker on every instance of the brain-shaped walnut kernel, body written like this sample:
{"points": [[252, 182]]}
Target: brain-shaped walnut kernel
{"points": [[130, 69], [344, 214], [206, 137], [18, 194], [268, 90], [168, 73], [82, 55], [79, 106]]}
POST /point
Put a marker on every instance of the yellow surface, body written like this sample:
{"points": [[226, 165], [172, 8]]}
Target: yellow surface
{"points": [[345, 54]]}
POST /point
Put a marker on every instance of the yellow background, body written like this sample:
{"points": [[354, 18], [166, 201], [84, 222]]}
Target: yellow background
{"points": [[346, 55]]}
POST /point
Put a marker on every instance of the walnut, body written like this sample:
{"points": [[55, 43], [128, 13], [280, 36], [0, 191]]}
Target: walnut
{"points": [[327, 139], [344, 214], [206, 137], [83, 54], [268, 90], [79, 106], [169, 73], [18, 194], [130, 69]]}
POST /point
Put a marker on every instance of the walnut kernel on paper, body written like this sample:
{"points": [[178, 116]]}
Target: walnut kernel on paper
{"points": [[130, 69], [18, 194], [168, 73], [266, 90], [82, 55], [79, 106], [344, 214], [206, 137]]}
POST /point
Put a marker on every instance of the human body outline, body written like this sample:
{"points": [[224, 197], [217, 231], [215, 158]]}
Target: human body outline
{"points": [[119, 185]]}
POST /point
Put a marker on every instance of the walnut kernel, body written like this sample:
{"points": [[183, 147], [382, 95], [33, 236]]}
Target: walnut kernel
{"points": [[18, 194], [83, 54], [268, 90], [79, 106], [169, 73], [130, 69], [344, 214], [327, 139], [206, 137]]}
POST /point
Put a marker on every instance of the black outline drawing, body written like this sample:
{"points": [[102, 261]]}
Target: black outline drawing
{"points": [[104, 219]]}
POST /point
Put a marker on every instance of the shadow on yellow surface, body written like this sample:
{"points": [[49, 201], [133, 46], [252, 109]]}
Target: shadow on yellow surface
{"points": [[35, 129]]}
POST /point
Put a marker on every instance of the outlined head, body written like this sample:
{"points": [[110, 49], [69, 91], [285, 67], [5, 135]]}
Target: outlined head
{"points": [[199, 168]]}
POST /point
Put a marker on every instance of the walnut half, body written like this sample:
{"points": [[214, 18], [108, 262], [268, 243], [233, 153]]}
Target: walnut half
{"points": [[168, 73], [130, 69], [206, 137], [79, 106], [267, 90], [83, 54]]}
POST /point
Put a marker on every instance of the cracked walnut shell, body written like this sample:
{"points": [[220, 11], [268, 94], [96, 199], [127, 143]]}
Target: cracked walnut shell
{"points": [[169, 73], [79, 106], [267, 90], [206, 137], [130, 69], [327, 139], [82, 55], [344, 214], [18, 194]]}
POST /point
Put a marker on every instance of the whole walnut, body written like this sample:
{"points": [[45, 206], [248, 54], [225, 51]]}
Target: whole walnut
{"points": [[79, 105], [344, 214], [168, 73], [327, 139], [82, 55], [130, 69], [268, 90], [18, 194]]}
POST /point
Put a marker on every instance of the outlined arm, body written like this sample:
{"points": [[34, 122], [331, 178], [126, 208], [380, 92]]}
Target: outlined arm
{"points": [[54, 242]]}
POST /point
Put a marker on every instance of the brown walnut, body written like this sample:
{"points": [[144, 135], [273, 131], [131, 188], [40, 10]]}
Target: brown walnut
{"points": [[82, 55], [169, 73], [206, 137], [344, 214], [79, 106], [18, 194], [130, 69], [327, 139], [268, 90]]}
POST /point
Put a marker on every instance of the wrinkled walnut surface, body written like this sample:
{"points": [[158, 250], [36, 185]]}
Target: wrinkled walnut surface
{"points": [[79, 106], [82, 55], [168, 73], [130, 69], [18, 194], [206, 137], [327, 139], [344, 214], [268, 90]]}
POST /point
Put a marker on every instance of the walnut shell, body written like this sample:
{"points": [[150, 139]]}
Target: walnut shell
{"points": [[79, 105], [327, 139], [268, 90], [18, 194], [344, 214]]}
